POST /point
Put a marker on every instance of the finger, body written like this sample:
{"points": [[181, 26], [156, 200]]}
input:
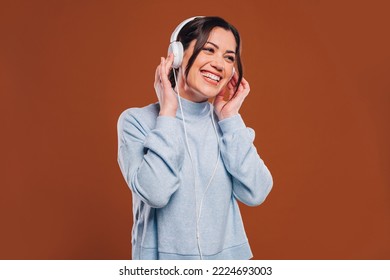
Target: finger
{"points": [[157, 83], [157, 76], [164, 75], [234, 77], [161, 64], [232, 83], [241, 89], [245, 87], [169, 62], [241, 93], [245, 83]]}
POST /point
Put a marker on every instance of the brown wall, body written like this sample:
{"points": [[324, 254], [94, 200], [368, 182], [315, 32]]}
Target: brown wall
{"points": [[319, 74]]}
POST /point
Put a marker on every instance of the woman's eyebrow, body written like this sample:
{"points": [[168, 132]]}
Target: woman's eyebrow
{"points": [[217, 47]]}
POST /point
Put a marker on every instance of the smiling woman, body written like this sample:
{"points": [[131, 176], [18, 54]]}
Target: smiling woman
{"points": [[188, 161]]}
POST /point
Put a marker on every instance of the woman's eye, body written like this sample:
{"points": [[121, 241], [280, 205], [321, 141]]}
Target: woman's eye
{"points": [[230, 58], [210, 50]]}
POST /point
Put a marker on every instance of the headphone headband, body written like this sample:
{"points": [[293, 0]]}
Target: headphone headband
{"points": [[179, 27]]}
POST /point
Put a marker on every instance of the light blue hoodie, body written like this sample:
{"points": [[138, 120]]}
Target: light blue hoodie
{"points": [[156, 165]]}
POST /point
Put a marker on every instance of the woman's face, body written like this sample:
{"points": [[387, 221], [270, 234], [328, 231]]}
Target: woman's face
{"points": [[212, 69]]}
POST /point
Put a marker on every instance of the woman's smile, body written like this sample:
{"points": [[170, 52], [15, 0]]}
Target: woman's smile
{"points": [[211, 77]]}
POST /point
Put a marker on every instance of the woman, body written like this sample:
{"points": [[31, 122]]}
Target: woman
{"points": [[187, 162]]}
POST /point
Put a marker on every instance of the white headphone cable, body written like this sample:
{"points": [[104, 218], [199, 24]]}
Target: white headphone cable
{"points": [[192, 162], [209, 183], [198, 212]]}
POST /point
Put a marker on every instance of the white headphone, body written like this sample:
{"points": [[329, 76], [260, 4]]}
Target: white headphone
{"points": [[234, 71], [175, 46]]}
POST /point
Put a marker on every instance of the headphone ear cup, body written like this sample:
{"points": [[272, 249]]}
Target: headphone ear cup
{"points": [[177, 49], [234, 71]]}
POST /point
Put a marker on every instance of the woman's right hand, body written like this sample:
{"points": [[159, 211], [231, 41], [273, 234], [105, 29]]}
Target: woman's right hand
{"points": [[165, 93]]}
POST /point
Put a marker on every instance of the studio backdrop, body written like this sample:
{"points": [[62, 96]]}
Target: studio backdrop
{"points": [[319, 103]]}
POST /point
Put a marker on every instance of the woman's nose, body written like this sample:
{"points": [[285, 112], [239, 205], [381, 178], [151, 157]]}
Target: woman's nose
{"points": [[217, 63]]}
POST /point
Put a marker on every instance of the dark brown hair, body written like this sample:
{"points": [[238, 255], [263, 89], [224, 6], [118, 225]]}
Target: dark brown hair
{"points": [[199, 29]]}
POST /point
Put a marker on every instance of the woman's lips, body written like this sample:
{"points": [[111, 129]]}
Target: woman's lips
{"points": [[211, 77]]}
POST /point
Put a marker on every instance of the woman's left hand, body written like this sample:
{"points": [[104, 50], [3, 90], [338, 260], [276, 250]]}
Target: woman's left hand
{"points": [[229, 106]]}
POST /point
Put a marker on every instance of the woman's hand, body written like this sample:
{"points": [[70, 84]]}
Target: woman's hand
{"points": [[165, 93], [229, 106]]}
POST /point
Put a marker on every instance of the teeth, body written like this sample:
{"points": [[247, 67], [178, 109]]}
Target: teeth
{"points": [[211, 76]]}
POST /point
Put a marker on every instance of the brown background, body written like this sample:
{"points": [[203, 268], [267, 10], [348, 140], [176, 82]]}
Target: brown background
{"points": [[319, 74]]}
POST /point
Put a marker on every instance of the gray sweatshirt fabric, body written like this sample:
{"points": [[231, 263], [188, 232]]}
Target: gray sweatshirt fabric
{"points": [[174, 216]]}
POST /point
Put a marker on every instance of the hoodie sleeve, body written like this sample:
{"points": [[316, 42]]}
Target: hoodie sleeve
{"points": [[252, 180], [150, 158]]}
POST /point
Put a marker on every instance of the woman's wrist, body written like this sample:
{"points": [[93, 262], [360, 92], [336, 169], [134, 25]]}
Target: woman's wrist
{"points": [[167, 113], [223, 116]]}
